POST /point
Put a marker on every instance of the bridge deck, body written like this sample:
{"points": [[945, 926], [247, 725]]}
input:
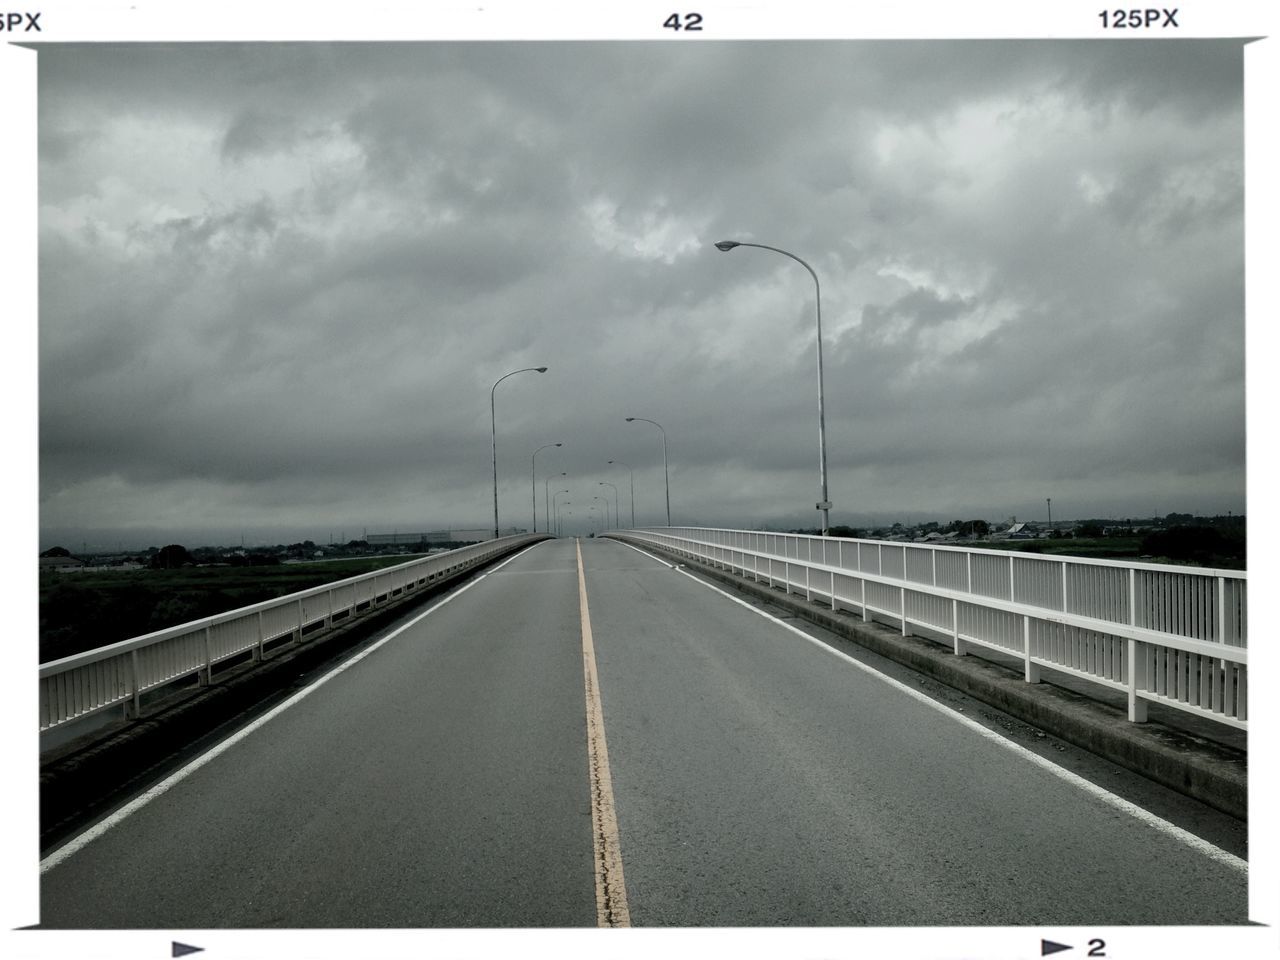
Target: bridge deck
{"points": [[758, 779]]}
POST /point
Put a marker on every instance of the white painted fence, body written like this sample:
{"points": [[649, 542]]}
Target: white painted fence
{"points": [[120, 673], [1162, 634]]}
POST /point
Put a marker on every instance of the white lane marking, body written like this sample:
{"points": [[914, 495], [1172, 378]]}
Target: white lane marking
{"points": [[645, 553], [79, 842], [1119, 803]]}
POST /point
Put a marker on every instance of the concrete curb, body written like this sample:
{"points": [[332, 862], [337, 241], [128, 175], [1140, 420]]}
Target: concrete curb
{"points": [[1209, 772]]}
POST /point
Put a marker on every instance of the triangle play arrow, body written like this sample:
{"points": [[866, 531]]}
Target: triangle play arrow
{"points": [[182, 949], [1048, 946]]}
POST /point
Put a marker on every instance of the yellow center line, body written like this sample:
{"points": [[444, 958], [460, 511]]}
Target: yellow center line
{"points": [[611, 889]]}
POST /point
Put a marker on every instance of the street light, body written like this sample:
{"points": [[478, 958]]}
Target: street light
{"points": [[665, 475], [617, 517], [546, 499], [493, 423], [633, 491], [556, 507], [824, 504], [533, 480], [605, 501]]}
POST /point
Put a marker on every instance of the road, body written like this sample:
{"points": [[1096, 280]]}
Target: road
{"points": [[735, 774]]}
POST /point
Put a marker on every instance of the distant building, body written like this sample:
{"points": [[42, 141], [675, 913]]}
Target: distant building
{"points": [[1019, 531]]}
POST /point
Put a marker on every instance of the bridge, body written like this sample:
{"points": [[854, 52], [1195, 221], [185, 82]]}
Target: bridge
{"points": [[665, 727]]}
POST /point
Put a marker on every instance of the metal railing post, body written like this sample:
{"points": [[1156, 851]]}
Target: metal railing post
{"points": [[958, 644], [1031, 671], [1137, 680], [133, 706], [205, 676], [256, 654]]}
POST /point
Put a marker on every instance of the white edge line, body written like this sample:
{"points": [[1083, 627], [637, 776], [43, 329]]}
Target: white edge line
{"points": [[1150, 819], [79, 842]]}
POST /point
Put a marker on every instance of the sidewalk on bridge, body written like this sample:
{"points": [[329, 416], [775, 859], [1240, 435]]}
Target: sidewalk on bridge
{"points": [[1196, 757]]}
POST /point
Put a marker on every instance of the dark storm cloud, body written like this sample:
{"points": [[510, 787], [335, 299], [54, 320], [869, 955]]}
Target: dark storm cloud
{"points": [[282, 278]]}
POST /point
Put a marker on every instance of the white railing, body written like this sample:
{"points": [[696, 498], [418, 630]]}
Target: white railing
{"points": [[120, 673], [1159, 633]]}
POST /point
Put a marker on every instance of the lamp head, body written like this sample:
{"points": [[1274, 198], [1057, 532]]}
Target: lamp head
{"points": [[541, 369], [727, 245], [559, 444], [630, 419]]}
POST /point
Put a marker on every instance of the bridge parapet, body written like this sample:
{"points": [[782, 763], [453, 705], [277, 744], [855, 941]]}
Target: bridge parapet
{"points": [[1158, 633], [119, 674]]}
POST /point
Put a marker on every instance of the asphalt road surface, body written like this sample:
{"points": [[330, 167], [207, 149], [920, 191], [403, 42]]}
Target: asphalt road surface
{"points": [[736, 774]]}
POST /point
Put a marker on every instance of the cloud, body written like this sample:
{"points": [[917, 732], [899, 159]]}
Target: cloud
{"points": [[282, 279]]}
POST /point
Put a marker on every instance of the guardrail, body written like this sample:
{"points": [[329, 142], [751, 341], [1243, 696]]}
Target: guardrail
{"points": [[1159, 633], [120, 673]]}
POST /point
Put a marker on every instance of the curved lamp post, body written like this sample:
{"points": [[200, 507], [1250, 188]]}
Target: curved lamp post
{"points": [[665, 475], [824, 504], [633, 490], [605, 501], [493, 423], [617, 517], [533, 480]]}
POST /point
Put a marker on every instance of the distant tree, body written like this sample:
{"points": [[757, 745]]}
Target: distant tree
{"points": [[56, 552], [171, 557], [1200, 544], [1089, 529], [840, 530]]}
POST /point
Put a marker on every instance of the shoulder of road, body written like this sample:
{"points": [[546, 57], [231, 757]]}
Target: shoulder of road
{"points": [[1212, 772]]}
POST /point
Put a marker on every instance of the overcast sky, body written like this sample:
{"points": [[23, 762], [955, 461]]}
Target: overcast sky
{"points": [[278, 281]]}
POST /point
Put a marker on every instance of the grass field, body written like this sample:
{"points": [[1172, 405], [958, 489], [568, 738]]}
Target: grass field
{"points": [[83, 610]]}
